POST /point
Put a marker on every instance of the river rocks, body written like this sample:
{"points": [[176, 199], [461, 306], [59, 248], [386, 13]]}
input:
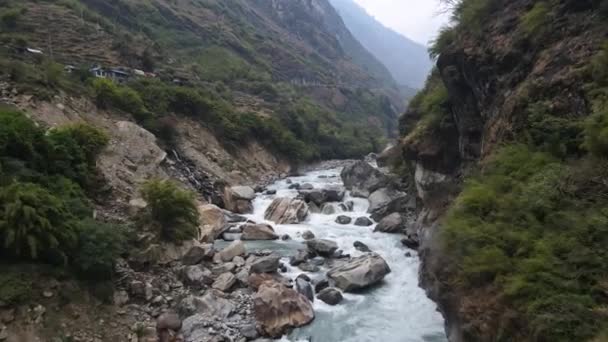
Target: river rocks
{"points": [[384, 201], [343, 219], [359, 273], [393, 223], [286, 211], [196, 276], [267, 264], [330, 296], [304, 288], [308, 267], [411, 241], [307, 186], [271, 192], [300, 257], [321, 284], [224, 282], [362, 178], [258, 232], [212, 222], [238, 199], [347, 206], [361, 247], [236, 248], [328, 209], [363, 222], [211, 304], [198, 253], [308, 235], [278, 308], [322, 247]]}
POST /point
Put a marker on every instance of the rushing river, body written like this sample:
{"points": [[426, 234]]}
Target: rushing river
{"points": [[395, 311]]}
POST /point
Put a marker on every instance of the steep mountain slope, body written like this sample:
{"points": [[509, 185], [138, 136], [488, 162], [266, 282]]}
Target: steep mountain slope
{"points": [[407, 60], [506, 147]]}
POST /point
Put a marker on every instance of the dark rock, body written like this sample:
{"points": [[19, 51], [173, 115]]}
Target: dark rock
{"points": [[360, 246], [321, 284], [411, 242], [303, 276], [343, 219], [271, 192], [393, 223], [363, 178], [322, 196], [198, 253], [385, 201], [308, 235], [308, 267], [328, 209], [330, 296], [267, 264], [363, 222], [307, 186], [285, 237], [317, 261], [300, 257], [249, 331], [347, 206], [322, 247], [294, 186], [408, 255], [303, 287]]}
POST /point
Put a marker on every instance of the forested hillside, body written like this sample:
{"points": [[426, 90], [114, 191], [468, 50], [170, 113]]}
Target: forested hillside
{"points": [[507, 146]]}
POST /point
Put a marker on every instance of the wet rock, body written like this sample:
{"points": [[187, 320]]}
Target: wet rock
{"points": [[307, 186], [322, 247], [308, 267], [347, 206], [320, 285], [308, 235], [330, 296], [304, 288], [271, 192], [234, 218], [236, 248], [411, 241], [362, 178], [317, 261], [238, 199], [285, 237], [393, 223], [258, 232], [322, 196], [363, 222], [212, 222], [385, 201], [343, 219], [300, 257], [360, 246], [328, 209], [278, 309], [224, 282], [267, 264], [303, 276], [408, 254], [313, 208], [198, 253], [294, 186], [359, 273], [286, 211]]}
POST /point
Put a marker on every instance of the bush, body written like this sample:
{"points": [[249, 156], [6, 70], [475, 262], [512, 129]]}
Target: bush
{"points": [[110, 95], [596, 133], [446, 36], [35, 223], [533, 22], [19, 136], [99, 245], [599, 66], [15, 287], [172, 209], [74, 150], [9, 19], [470, 14]]}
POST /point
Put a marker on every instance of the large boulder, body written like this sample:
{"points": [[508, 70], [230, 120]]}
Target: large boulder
{"points": [[359, 273], [363, 222], [385, 201], [267, 264], [363, 179], [278, 308], [198, 253], [330, 296], [212, 222], [321, 196], [234, 249], [303, 287], [238, 199], [393, 223], [286, 211], [258, 232], [224, 282], [211, 304], [325, 248]]}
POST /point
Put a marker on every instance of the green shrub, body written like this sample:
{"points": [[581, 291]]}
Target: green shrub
{"points": [[19, 136], [9, 19], [533, 22], [74, 150], [470, 14], [596, 133], [446, 36], [172, 209], [15, 287], [110, 95], [559, 136], [34, 223], [599, 66], [99, 245]]}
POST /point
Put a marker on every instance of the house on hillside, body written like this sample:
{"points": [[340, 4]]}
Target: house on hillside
{"points": [[118, 75]]}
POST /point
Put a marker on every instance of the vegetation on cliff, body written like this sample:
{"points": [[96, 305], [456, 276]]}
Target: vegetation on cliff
{"points": [[526, 239]]}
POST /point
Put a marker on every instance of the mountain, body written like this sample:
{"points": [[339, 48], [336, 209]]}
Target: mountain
{"points": [[407, 60], [507, 148]]}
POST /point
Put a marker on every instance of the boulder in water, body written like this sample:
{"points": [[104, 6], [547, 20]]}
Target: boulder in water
{"points": [[304, 288], [385, 201], [286, 211], [347, 206], [359, 273], [411, 241], [307, 186], [363, 222], [238, 199], [267, 264], [278, 308], [300, 257], [361, 247], [328, 209], [325, 248], [321, 196], [258, 232], [363, 178], [212, 222], [343, 219], [308, 235], [330, 296], [393, 223]]}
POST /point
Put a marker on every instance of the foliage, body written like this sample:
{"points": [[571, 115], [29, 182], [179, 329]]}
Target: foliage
{"points": [[447, 36], [559, 136], [19, 136], [9, 19], [533, 22], [99, 245], [596, 133], [111, 95], [172, 209], [470, 14], [34, 222], [537, 230], [15, 287], [599, 66]]}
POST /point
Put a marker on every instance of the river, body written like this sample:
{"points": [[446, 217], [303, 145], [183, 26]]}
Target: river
{"points": [[397, 310]]}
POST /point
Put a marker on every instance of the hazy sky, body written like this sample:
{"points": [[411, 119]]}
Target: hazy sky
{"points": [[417, 19]]}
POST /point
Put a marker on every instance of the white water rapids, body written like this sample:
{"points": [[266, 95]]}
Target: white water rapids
{"points": [[395, 311]]}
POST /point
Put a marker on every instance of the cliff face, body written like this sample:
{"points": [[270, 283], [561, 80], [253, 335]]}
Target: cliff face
{"points": [[520, 73]]}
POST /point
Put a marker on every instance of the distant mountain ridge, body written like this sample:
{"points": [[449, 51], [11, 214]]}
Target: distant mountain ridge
{"points": [[407, 60]]}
